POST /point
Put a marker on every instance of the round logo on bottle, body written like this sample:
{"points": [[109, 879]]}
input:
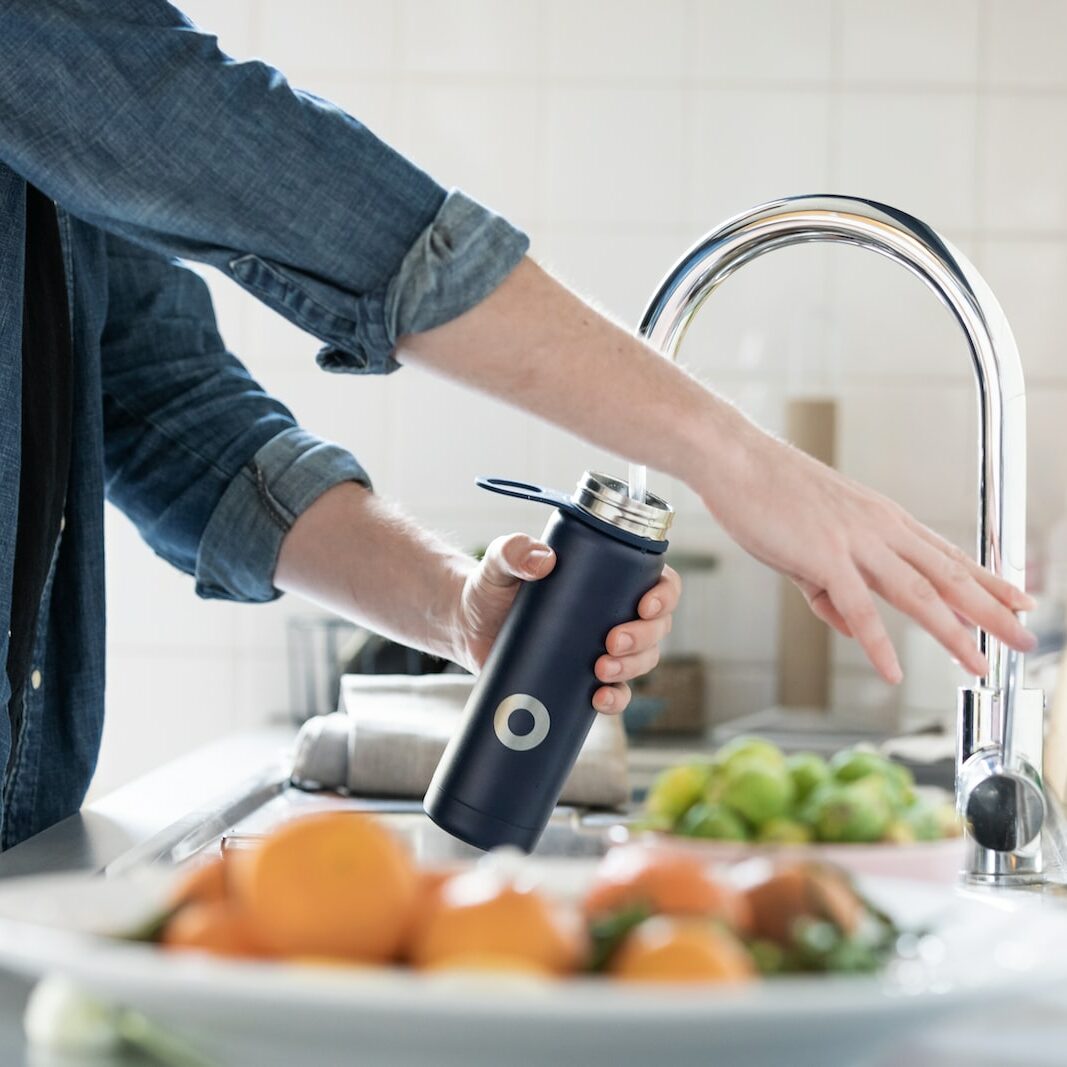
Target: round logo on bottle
{"points": [[521, 702]]}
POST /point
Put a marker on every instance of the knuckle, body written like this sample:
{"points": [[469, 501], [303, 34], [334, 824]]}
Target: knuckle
{"points": [[957, 555], [922, 590], [957, 573], [864, 615]]}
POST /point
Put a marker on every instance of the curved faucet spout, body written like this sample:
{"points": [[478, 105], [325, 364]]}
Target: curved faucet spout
{"points": [[998, 374]]}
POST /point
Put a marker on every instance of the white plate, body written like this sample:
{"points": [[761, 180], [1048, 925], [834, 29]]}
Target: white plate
{"points": [[992, 948]]}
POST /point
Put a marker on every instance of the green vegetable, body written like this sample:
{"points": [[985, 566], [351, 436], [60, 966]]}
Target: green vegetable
{"points": [[742, 748], [854, 764], [851, 764], [784, 831], [858, 811], [808, 771], [899, 832], [769, 956], [749, 789], [676, 790], [924, 821], [756, 789], [608, 933], [948, 820], [713, 821]]}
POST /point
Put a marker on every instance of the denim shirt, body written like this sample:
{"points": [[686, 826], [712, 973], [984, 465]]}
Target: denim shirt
{"points": [[157, 147]]}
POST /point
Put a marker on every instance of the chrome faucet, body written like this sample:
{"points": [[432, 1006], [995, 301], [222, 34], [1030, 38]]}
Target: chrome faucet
{"points": [[999, 790]]}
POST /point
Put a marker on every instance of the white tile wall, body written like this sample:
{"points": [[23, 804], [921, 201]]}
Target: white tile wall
{"points": [[909, 41], [1025, 42], [751, 146], [1024, 164], [912, 149], [763, 42], [468, 38], [612, 155], [618, 131]]}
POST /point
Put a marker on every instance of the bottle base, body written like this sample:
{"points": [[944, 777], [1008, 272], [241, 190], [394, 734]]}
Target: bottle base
{"points": [[475, 827]]}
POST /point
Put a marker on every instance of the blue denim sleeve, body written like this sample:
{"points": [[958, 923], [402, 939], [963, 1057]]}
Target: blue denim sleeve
{"points": [[133, 120], [211, 469]]}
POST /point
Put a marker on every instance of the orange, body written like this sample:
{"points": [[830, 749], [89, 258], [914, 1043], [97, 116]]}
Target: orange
{"points": [[670, 883], [201, 884], [663, 949], [479, 914], [214, 926], [335, 885]]}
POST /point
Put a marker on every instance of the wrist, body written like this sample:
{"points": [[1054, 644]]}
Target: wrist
{"points": [[446, 614], [717, 448]]}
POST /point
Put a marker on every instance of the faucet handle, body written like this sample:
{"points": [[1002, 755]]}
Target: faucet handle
{"points": [[1000, 795], [1003, 810]]}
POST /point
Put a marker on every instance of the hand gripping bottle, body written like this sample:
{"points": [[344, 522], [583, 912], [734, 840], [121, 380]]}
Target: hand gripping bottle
{"points": [[531, 708]]}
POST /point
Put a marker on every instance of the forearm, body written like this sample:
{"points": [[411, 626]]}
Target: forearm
{"points": [[540, 347], [356, 555]]}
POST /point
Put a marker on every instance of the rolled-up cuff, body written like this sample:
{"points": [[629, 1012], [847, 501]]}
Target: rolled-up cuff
{"points": [[454, 264], [239, 548]]}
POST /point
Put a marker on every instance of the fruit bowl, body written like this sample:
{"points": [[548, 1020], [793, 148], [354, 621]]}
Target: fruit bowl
{"points": [[857, 810]]}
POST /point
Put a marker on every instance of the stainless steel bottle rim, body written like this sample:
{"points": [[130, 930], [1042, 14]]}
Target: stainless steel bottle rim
{"points": [[608, 499]]}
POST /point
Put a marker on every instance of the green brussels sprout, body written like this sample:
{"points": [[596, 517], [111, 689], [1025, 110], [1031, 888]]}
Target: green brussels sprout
{"points": [[948, 820], [713, 821], [924, 821], [784, 831], [899, 832], [853, 764], [742, 748], [676, 790], [756, 789], [854, 812], [808, 770]]}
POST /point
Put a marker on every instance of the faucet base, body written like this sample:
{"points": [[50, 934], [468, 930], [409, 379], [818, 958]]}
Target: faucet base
{"points": [[1003, 807]]}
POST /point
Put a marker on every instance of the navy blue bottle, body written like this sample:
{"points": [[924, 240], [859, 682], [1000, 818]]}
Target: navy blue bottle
{"points": [[531, 708]]}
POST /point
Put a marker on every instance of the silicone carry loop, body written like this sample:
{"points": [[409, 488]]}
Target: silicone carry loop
{"points": [[556, 499]]}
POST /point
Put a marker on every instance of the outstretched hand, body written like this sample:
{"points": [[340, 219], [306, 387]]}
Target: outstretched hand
{"points": [[841, 543], [631, 648]]}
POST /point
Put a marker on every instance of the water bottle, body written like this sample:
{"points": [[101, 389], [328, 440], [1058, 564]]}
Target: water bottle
{"points": [[531, 708]]}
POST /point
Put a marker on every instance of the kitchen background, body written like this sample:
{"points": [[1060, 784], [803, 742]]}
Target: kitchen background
{"points": [[616, 132]]}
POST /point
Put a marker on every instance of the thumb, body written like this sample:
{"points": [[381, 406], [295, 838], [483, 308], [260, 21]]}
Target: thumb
{"points": [[514, 558]]}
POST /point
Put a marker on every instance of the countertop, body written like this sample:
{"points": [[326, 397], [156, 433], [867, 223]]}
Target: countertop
{"points": [[1030, 1033]]}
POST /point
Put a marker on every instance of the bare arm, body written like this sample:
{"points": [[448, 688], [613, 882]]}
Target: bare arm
{"points": [[537, 345], [358, 556]]}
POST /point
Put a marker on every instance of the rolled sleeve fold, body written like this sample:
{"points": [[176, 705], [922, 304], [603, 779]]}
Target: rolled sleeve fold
{"points": [[240, 545], [454, 264]]}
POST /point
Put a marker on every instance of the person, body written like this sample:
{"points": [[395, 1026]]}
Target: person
{"points": [[129, 142]]}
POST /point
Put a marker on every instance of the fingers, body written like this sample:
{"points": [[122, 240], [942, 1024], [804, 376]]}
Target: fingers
{"points": [[822, 607], [969, 597], [852, 601], [916, 595], [663, 597], [636, 636], [954, 560], [611, 699], [610, 669], [514, 558]]}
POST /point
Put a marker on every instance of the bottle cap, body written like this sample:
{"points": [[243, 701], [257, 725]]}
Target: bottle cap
{"points": [[608, 499]]}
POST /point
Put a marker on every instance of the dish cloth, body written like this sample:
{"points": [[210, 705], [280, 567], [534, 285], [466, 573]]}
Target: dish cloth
{"points": [[391, 731]]}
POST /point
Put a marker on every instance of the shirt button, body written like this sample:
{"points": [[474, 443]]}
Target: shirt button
{"points": [[35, 679]]}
